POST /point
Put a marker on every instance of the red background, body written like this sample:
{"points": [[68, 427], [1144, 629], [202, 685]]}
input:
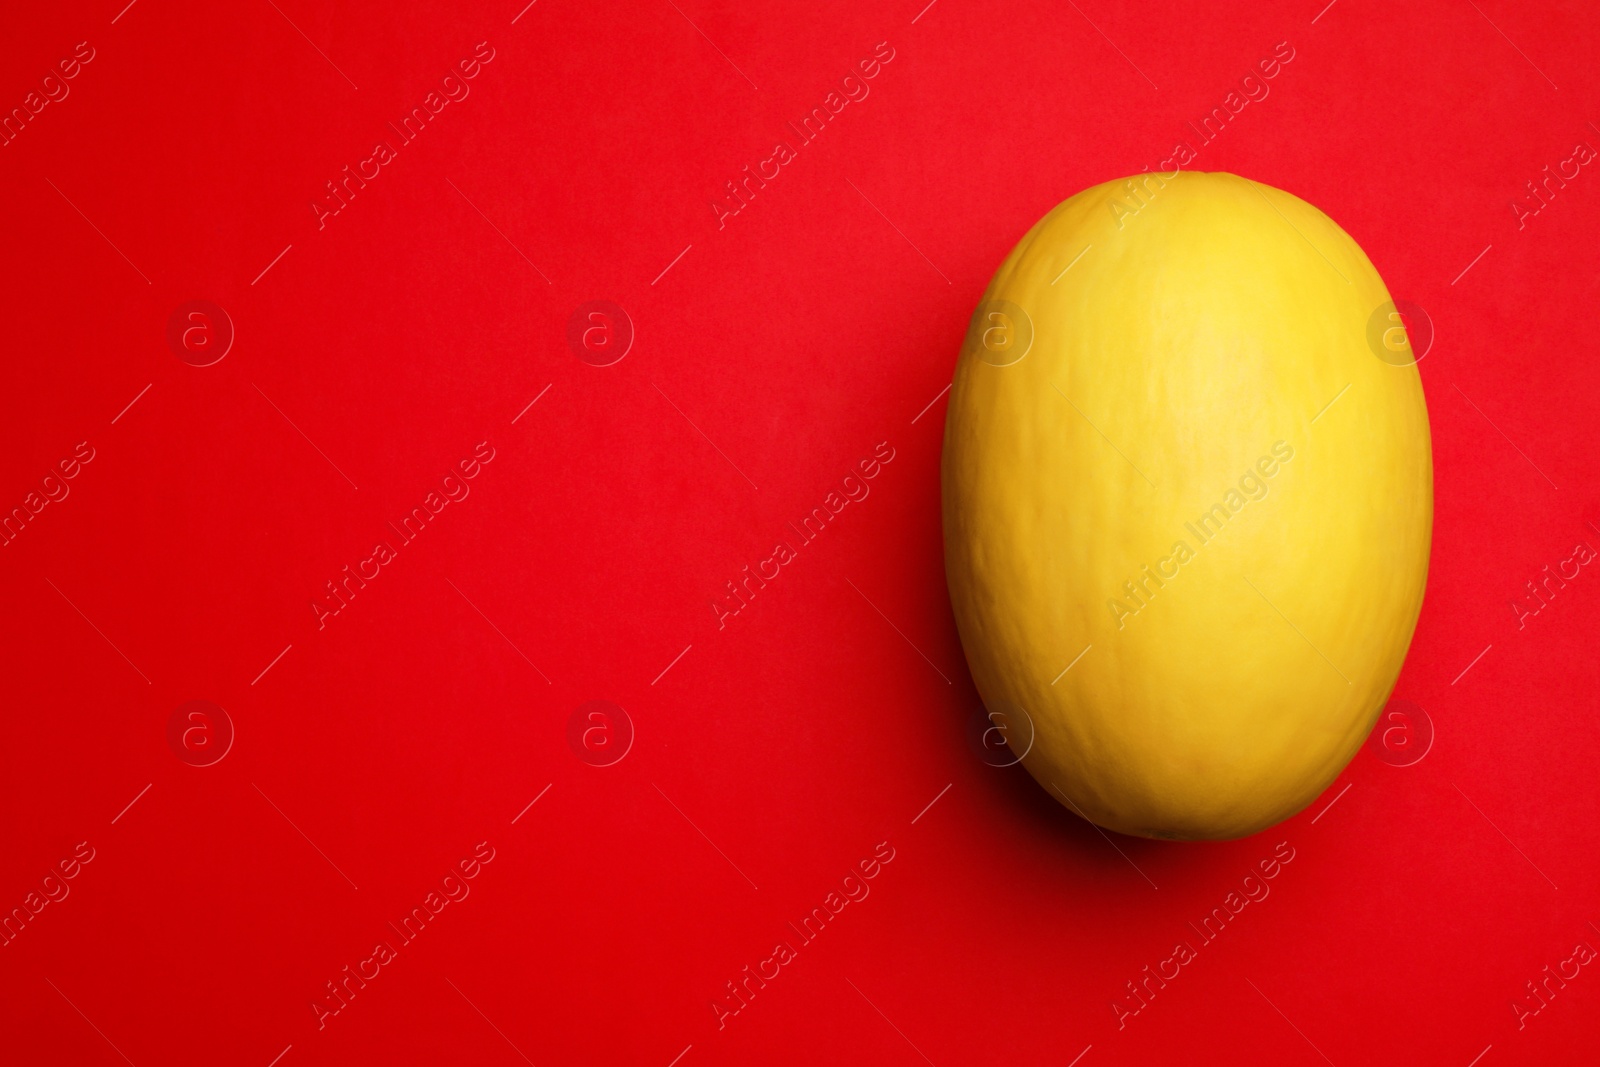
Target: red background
{"points": [[796, 338]]}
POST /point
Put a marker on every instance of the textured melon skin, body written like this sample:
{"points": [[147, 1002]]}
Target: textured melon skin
{"points": [[1223, 319]]}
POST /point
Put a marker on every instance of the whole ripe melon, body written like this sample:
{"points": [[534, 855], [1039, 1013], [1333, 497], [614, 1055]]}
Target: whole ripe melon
{"points": [[1176, 462]]}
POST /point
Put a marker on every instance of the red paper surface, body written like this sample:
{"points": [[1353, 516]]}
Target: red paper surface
{"points": [[375, 349]]}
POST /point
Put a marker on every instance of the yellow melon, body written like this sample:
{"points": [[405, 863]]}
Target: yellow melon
{"points": [[1187, 502]]}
